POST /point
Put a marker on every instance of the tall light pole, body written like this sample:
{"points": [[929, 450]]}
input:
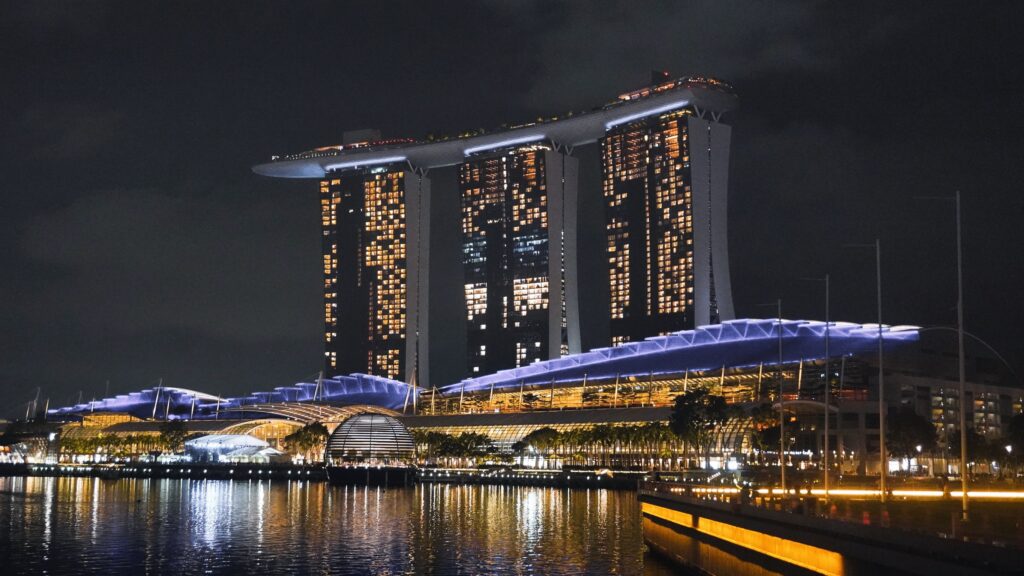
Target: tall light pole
{"points": [[884, 461], [960, 343], [961, 361], [828, 382], [881, 375], [782, 410]]}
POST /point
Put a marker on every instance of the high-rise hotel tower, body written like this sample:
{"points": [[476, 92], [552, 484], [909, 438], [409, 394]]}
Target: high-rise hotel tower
{"points": [[664, 180], [388, 209], [518, 210], [372, 220]]}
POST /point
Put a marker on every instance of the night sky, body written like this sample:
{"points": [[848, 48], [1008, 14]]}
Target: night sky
{"points": [[137, 243]]}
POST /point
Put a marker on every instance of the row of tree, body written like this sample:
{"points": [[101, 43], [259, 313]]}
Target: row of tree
{"points": [[628, 445], [450, 449], [171, 438], [696, 417]]}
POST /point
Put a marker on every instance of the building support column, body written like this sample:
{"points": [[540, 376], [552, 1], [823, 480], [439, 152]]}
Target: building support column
{"points": [[417, 225]]}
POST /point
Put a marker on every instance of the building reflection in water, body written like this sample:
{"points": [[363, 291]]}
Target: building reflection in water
{"points": [[75, 525]]}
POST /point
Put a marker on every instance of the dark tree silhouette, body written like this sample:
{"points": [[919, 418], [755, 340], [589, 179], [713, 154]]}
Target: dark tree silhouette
{"points": [[173, 434], [695, 417], [906, 430]]}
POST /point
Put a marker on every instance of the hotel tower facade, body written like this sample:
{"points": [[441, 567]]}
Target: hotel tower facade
{"points": [[387, 212], [664, 182], [371, 223], [518, 214]]}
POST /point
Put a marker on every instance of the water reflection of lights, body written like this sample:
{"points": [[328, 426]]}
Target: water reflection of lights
{"points": [[245, 526], [261, 505], [529, 516], [48, 496], [95, 509], [213, 497]]}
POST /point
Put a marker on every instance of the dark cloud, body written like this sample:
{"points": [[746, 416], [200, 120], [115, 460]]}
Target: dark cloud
{"points": [[137, 244], [72, 132], [138, 261], [606, 48]]}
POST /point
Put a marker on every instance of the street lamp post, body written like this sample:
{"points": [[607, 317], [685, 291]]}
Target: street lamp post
{"points": [[782, 411], [960, 344], [828, 382], [964, 506], [884, 461], [782, 408], [881, 375], [828, 387]]}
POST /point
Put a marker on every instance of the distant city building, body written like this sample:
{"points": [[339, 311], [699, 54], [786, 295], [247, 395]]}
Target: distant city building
{"points": [[514, 230], [664, 160]]}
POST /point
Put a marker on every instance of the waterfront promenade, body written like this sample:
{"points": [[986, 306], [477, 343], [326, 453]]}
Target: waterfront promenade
{"points": [[851, 533]]}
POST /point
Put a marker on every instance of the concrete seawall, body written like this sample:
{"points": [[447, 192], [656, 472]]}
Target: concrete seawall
{"points": [[192, 470], [559, 479], [355, 475]]}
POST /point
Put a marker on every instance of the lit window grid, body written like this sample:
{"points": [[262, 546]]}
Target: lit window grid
{"points": [[656, 154], [672, 226], [385, 262], [504, 199], [382, 251], [476, 300], [329, 202], [530, 294]]}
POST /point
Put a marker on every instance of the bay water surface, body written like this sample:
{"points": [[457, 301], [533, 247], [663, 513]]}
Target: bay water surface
{"points": [[170, 526]]}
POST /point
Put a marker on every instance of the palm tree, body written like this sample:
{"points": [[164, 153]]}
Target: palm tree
{"points": [[603, 436], [696, 416], [173, 434], [543, 440], [308, 440], [764, 432]]}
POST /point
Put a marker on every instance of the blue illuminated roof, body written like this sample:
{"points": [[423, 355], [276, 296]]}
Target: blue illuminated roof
{"points": [[177, 403], [733, 344], [351, 389]]}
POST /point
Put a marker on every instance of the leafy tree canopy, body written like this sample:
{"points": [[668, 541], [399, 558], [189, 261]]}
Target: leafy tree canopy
{"points": [[906, 430]]}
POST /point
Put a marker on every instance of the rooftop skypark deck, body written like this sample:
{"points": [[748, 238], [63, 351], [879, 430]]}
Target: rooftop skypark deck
{"points": [[704, 95]]}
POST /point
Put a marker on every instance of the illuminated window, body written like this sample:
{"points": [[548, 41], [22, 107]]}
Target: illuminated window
{"points": [[505, 239]]}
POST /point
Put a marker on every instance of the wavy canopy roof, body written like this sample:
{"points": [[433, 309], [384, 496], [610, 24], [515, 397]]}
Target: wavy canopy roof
{"points": [[733, 344], [307, 412], [181, 403]]}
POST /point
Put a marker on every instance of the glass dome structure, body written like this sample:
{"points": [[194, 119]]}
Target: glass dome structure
{"points": [[370, 439]]}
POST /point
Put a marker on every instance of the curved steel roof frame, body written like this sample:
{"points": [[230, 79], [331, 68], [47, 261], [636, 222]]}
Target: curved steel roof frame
{"points": [[733, 344], [181, 403], [307, 412]]}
